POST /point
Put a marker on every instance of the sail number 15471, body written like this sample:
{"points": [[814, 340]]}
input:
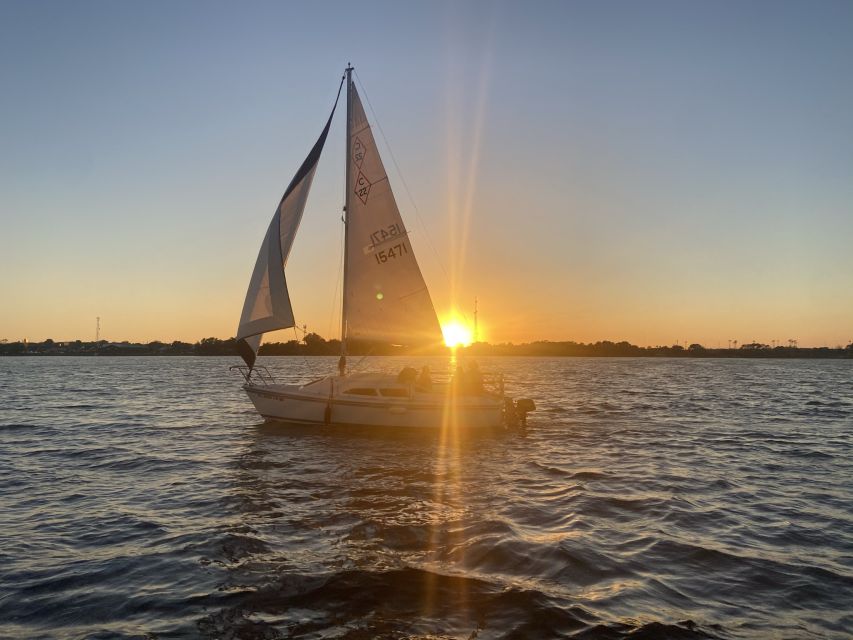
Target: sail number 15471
{"points": [[386, 233], [390, 253]]}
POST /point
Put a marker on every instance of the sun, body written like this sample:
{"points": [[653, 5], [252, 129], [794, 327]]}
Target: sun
{"points": [[456, 334]]}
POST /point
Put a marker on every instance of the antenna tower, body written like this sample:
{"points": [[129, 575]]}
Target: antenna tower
{"points": [[97, 328]]}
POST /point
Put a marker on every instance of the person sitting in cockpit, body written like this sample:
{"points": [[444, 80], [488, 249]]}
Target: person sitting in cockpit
{"points": [[407, 376], [425, 379], [474, 380]]}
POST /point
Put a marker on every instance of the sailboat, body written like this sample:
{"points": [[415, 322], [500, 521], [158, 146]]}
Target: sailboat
{"points": [[385, 300]]}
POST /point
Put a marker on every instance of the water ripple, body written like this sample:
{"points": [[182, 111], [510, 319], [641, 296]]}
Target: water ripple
{"points": [[141, 498]]}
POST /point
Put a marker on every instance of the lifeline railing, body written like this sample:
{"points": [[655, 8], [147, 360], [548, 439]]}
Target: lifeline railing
{"points": [[491, 382], [254, 375]]}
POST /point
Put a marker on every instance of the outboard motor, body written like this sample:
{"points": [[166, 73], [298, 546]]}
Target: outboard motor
{"points": [[515, 411], [510, 415], [523, 406]]}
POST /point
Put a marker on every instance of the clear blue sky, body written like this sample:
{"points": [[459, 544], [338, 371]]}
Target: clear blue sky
{"points": [[653, 171]]}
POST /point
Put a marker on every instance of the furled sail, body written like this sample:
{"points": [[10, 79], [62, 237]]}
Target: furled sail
{"points": [[267, 306], [385, 296]]}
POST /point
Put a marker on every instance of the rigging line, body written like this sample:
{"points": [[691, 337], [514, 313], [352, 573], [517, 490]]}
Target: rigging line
{"points": [[402, 179], [337, 97], [337, 281], [363, 358]]}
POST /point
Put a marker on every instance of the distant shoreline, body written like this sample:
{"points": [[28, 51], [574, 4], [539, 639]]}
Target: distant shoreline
{"points": [[735, 356], [314, 345]]}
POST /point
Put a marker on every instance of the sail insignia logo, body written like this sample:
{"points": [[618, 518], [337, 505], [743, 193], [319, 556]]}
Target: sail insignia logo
{"points": [[362, 187], [358, 151]]}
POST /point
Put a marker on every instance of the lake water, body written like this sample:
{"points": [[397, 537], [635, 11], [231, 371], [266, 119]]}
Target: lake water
{"points": [[648, 498]]}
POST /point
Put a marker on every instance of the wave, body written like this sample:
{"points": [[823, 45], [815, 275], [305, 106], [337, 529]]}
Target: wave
{"points": [[416, 603]]}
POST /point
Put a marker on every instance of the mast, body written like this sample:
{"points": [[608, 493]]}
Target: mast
{"points": [[342, 364]]}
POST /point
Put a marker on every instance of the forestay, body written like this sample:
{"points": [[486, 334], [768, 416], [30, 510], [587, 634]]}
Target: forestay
{"points": [[385, 296]]}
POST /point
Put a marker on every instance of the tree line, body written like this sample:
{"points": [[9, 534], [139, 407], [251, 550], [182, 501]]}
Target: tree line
{"points": [[315, 345]]}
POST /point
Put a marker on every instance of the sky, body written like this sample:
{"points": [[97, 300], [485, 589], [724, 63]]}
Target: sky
{"points": [[657, 172]]}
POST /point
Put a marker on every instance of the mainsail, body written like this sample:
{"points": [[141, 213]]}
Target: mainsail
{"points": [[267, 306], [385, 296]]}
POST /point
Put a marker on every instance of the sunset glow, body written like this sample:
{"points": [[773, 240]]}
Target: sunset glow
{"points": [[571, 174], [456, 334]]}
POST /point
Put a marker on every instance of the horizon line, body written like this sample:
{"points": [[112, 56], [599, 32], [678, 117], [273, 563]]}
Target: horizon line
{"points": [[734, 345]]}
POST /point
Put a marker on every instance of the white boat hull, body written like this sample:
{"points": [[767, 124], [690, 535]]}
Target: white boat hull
{"points": [[326, 402]]}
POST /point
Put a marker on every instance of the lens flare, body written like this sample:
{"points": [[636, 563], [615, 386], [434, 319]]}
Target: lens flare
{"points": [[456, 334]]}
